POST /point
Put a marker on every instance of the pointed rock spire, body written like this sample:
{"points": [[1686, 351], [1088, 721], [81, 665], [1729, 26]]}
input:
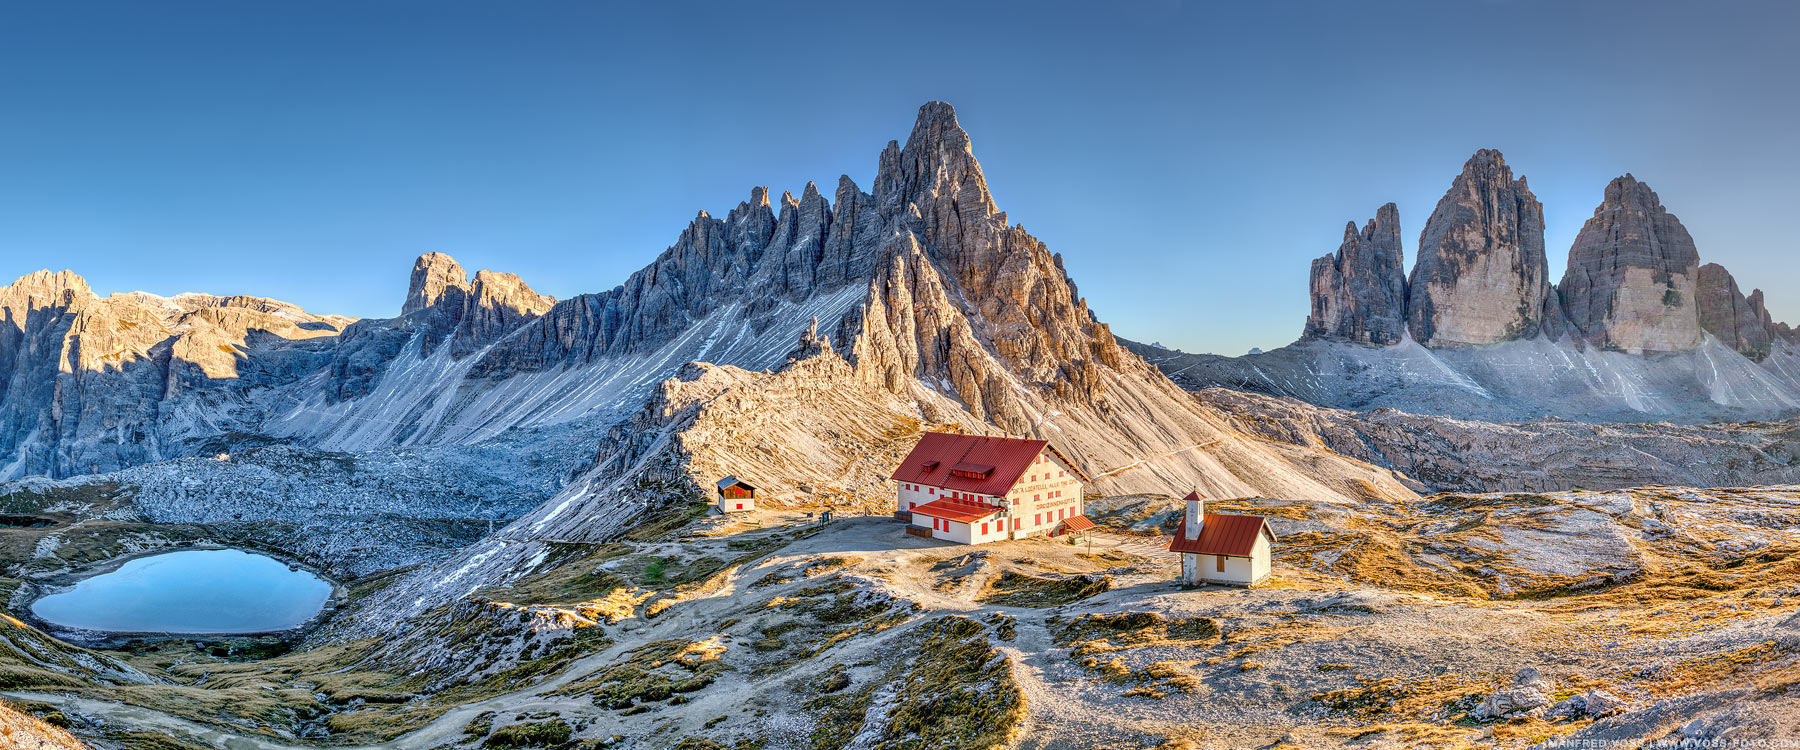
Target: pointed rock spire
{"points": [[855, 232], [1633, 275], [937, 172], [1359, 293], [1481, 276], [751, 224]]}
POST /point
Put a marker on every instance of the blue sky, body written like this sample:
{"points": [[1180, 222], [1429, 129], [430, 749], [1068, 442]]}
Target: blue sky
{"points": [[1188, 159]]}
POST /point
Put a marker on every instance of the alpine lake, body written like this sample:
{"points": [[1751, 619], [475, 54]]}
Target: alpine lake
{"points": [[190, 592]]}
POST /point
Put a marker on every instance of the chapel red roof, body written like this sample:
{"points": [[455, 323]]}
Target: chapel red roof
{"points": [[956, 510], [968, 463], [1221, 534]]}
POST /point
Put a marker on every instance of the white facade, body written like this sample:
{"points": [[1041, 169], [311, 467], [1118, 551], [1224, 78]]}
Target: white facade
{"points": [[990, 529], [1231, 570], [1046, 494], [914, 495], [1236, 571]]}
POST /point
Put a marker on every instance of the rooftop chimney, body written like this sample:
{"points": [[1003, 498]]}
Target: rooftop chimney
{"points": [[1196, 515]]}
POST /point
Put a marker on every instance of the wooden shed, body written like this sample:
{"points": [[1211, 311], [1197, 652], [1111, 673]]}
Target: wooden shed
{"points": [[736, 496]]}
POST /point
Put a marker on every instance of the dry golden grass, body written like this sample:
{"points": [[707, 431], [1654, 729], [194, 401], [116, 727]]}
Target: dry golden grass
{"points": [[1408, 700], [1407, 734], [21, 730], [1093, 634], [1249, 640], [1690, 675]]}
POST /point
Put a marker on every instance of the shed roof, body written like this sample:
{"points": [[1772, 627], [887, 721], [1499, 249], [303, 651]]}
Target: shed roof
{"points": [[729, 481], [1222, 534], [1079, 523], [994, 462], [956, 510]]}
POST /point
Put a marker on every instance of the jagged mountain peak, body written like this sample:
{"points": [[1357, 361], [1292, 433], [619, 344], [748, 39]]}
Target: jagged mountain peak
{"points": [[475, 311], [1359, 293], [1481, 277], [46, 282], [935, 171], [1740, 321], [1487, 160], [1626, 191], [1632, 278], [926, 295], [434, 277]]}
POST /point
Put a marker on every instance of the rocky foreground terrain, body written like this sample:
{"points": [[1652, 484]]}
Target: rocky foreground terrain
{"points": [[513, 491], [1491, 620]]}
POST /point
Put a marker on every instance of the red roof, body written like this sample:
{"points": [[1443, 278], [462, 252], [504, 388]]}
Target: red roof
{"points": [[956, 510], [1005, 459], [1220, 534], [1079, 523]]}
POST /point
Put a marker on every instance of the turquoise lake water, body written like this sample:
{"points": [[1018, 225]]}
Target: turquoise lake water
{"points": [[193, 591]]}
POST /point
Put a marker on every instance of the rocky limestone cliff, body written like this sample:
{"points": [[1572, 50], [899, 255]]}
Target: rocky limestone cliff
{"points": [[1481, 276], [1359, 294], [448, 305], [94, 384], [1633, 275], [952, 264], [1742, 323]]}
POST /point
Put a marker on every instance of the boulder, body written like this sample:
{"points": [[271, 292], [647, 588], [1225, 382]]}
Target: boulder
{"points": [[1529, 695], [1592, 704]]}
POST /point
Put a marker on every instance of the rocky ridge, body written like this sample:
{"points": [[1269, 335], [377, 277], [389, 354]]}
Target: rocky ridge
{"points": [[934, 295], [94, 384], [984, 332]]}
